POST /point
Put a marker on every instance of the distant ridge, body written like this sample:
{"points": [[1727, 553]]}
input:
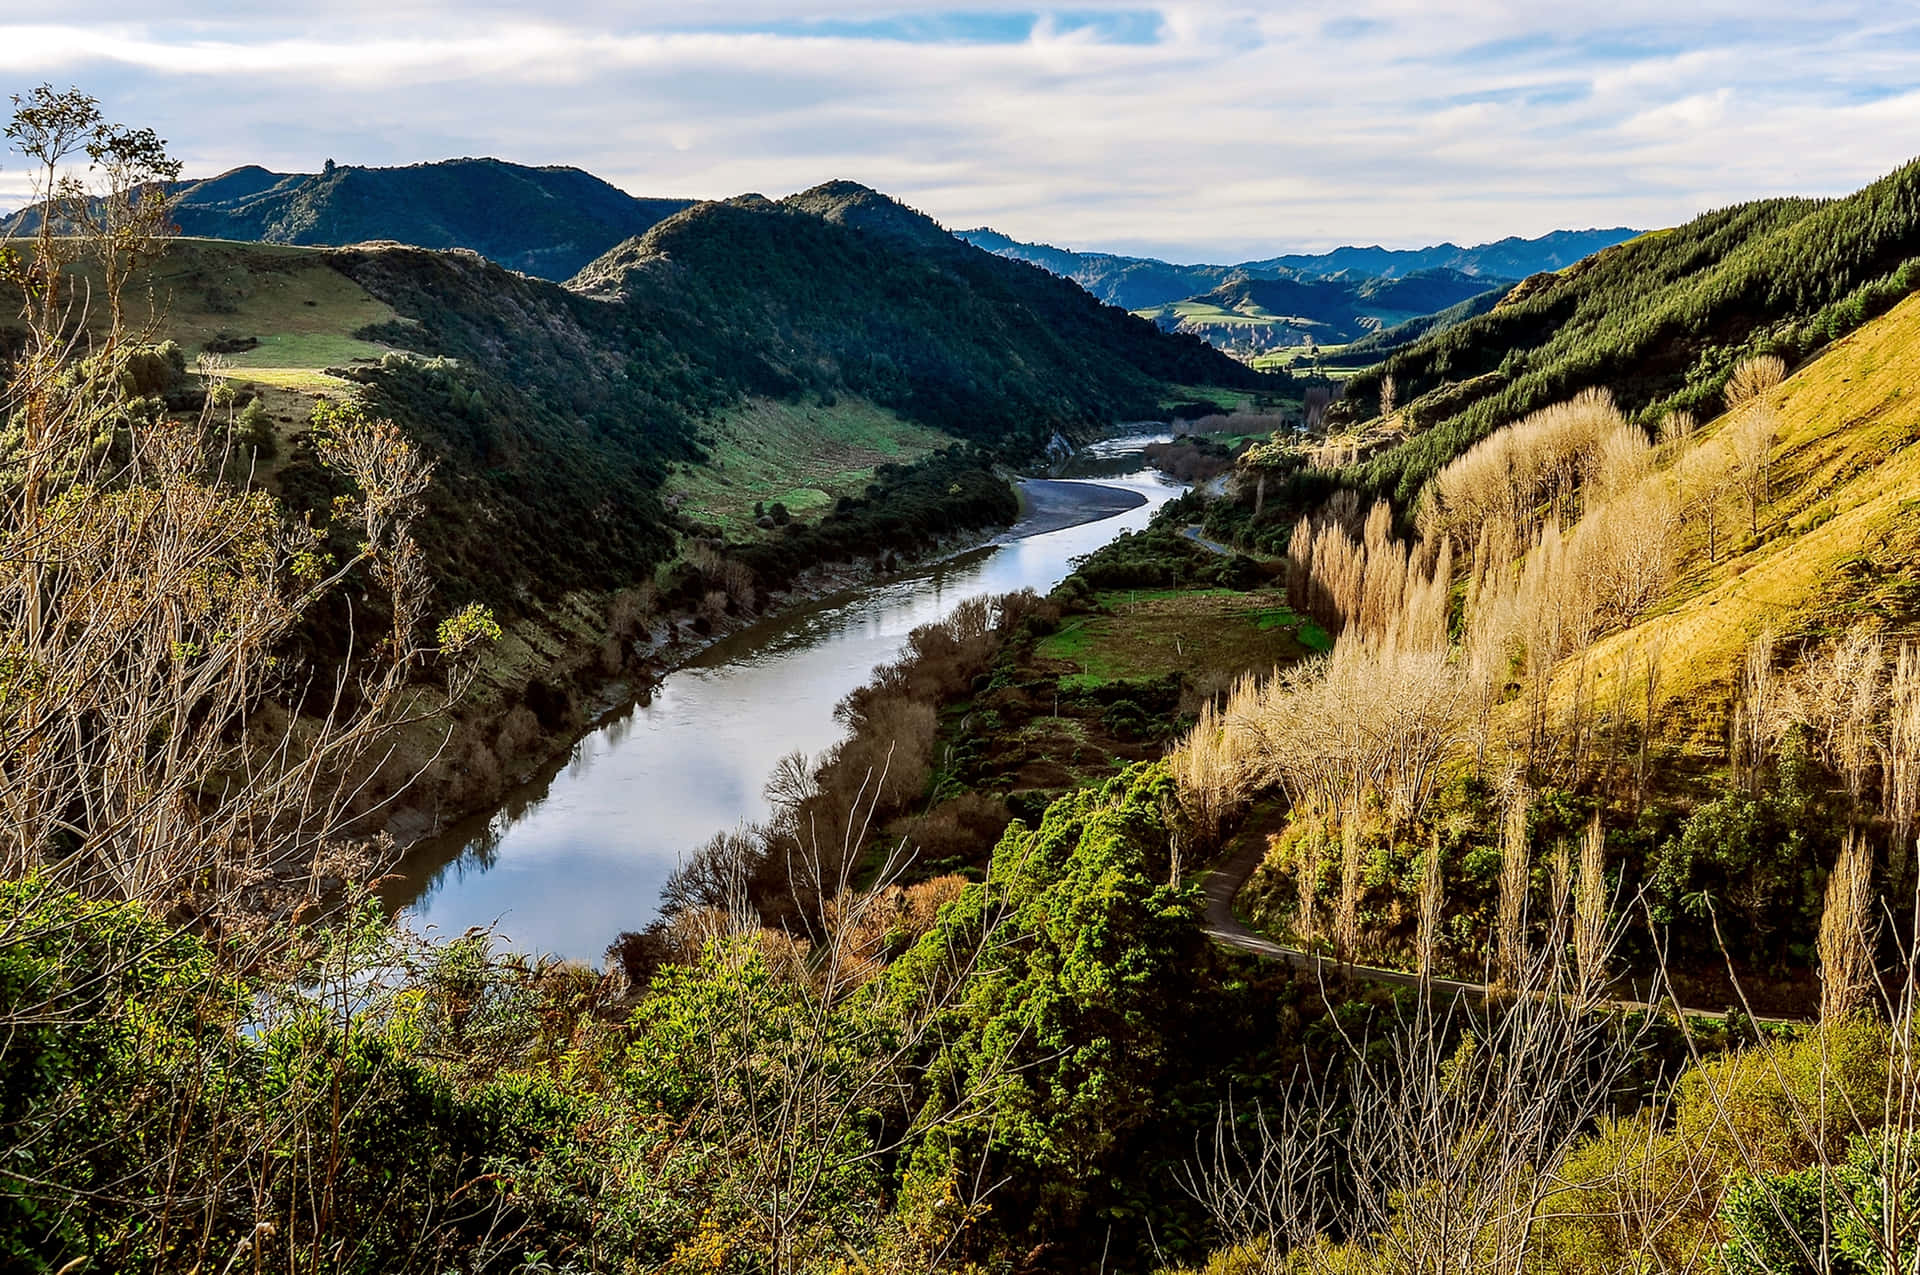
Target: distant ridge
{"points": [[547, 222], [1138, 283]]}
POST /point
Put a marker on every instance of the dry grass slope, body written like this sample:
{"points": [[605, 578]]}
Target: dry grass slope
{"points": [[1840, 539]]}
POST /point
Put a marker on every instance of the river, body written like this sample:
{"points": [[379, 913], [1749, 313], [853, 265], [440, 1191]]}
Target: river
{"points": [[567, 863]]}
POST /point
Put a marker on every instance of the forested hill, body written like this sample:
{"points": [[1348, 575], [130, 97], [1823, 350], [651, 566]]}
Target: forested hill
{"points": [[1137, 283], [557, 413], [840, 287], [1660, 321], [543, 221]]}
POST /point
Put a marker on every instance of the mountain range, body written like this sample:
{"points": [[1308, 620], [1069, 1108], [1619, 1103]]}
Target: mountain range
{"points": [[1138, 283]]}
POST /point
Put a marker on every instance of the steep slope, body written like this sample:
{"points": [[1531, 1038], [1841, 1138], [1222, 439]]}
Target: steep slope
{"points": [[542, 221], [842, 289], [1840, 541], [1660, 321], [1378, 345], [1265, 313], [1139, 283]]}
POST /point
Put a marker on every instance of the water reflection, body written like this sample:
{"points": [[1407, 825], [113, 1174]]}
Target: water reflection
{"points": [[568, 862]]}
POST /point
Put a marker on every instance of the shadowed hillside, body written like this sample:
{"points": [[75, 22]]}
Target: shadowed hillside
{"points": [[545, 221]]}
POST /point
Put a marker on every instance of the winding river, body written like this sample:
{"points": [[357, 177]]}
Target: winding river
{"points": [[569, 862]]}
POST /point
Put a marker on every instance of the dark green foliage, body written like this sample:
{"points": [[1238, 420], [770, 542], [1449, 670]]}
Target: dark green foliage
{"points": [[1157, 558], [549, 471], [255, 432], [840, 287], [1083, 1012], [156, 371], [1829, 1221], [1754, 863], [1661, 321], [131, 1097]]}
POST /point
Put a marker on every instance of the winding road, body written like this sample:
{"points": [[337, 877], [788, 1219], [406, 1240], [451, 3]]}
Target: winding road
{"points": [[1222, 883]]}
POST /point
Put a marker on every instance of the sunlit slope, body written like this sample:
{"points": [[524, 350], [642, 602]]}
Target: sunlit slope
{"points": [[1840, 541]]}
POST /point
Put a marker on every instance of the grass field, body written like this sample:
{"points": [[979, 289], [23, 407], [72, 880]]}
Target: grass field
{"points": [[302, 312], [1224, 399], [1296, 358], [802, 455], [1152, 634], [298, 311]]}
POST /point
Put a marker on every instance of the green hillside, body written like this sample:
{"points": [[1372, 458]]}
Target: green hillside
{"points": [[840, 289], [1660, 321]]}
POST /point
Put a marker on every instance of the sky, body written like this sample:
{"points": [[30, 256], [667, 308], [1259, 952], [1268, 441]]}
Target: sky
{"points": [[1193, 131]]}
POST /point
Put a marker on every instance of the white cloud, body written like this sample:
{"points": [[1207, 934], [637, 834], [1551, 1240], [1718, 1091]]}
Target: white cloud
{"points": [[1235, 130]]}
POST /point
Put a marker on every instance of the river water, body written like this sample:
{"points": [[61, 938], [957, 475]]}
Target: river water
{"points": [[570, 861]]}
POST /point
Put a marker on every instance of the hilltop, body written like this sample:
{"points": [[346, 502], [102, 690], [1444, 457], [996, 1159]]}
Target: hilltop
{"points": [[547, 221], [1137, 283]]}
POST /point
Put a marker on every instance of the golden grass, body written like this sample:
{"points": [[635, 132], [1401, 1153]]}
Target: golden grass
{"points": [[1842, 530]]}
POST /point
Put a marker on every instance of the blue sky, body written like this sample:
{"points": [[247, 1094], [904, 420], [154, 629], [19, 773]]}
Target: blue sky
{"points": [[1190, 130]]}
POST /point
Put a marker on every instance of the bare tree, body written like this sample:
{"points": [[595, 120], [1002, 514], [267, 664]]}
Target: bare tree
{"points": [[1516, 870], [1840, 694], [1458, 1126], [144, 605], [1759, 711], [1754, 377], [1508, 476], [1211, 774], [1592, 927], [1432, 901], [1704, 476], [1677, 427], [1902, 785], [1750, 440]]}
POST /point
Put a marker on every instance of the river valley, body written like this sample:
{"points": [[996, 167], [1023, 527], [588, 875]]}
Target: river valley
{"points": [[573, 859]]}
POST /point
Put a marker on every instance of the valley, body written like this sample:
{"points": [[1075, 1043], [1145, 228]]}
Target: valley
{"points": [[548, 731]]}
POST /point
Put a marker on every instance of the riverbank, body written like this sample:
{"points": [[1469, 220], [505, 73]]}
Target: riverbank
{"points": [[1054, 504], [564, 863], [558, 681]]}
